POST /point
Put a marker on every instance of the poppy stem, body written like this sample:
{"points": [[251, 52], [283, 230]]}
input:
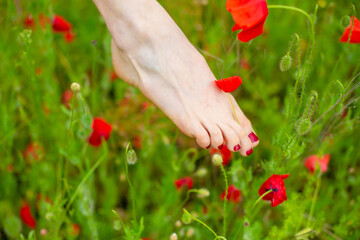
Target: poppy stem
{"points": [[266, 193], [128, 147], [205, 225], [314, 199], [225, 199], [232, 105]]}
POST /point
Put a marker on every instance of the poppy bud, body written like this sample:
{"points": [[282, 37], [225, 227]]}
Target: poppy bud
{"points": [[75, 87], [190, 232], [173, 236], [201, 172], [345, 21], [285, 63], [203, 193], [131, 157], [303, 126], [217, 159], [178, 223], [186, 218]]}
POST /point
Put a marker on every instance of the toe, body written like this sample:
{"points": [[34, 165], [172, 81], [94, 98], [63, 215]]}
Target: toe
{"points": [[202, 137], [216, 136], [246, 126], [245, 142], [231, 138]]}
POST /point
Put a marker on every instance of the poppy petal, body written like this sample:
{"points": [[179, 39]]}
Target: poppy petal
{"points": [[229, 84], [251, 33]]}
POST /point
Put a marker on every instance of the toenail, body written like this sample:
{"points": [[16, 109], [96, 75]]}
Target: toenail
{"points": [[221, 146], [249, 152], [208, 147], [237, 147], [253, 137]]}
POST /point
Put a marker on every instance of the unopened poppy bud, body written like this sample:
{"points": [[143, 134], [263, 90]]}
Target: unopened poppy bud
{"points": [[303, 126], [285, 63], [345, 21], [131, 157], [173, 236], [75, 87], [217, 159], [190, 232], [203, 193], [186, 218], [201, 172], [178, 223]]}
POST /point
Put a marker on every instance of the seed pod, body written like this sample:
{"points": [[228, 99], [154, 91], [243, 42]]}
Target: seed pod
{"points": [[285, 63]]}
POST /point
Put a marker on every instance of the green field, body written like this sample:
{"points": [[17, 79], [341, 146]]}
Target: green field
{"points": [[55, 185]]}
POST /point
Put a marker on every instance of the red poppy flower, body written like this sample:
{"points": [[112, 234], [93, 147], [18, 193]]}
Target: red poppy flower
{"points": [[66, 98], [278, 194], [75, 229], [69, 37], [249, 16], [26, 216], [186, 181], [233, 194], [113, 76], [229, 84], [101, 129], [312, 161], [33, 152], [355, 35], [59, 24], [225, 153], [29, 21], [137, 142]]}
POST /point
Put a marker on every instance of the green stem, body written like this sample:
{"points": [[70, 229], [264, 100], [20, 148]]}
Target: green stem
{"points": [[266, 193], [232, 105], [314, 199], [204, 224], [225, 200]]}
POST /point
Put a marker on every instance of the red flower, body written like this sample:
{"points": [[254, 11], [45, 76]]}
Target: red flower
{"points": [[29, 21], [355, 34], [233, 194], [278, 194], [26, 216], [43, 20], [33, 152], [229, 84], [69, 37], [113, 76], [101, 129], [137, 142], [225, 153], [186, 181], [66, 98], [249, 16], [59, 24], [312, 161], [75, 229]]}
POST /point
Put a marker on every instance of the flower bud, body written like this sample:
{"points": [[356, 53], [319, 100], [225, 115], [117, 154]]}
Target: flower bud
{"points": [[303, 126], [217, 159], [186, 218], [285, 63], [75, 87], [178, 223], [131, 157], [173, 236], [345, 21], [190, 232], [201, 172], [203, 193]]}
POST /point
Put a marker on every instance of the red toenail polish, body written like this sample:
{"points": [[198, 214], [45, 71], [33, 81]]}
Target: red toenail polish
{"points": [[208, 147], [249, 152], [221, 146], [253, 137], [237, 147]]}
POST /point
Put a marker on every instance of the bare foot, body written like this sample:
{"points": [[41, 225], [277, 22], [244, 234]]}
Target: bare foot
{"points": [[174, 76]]}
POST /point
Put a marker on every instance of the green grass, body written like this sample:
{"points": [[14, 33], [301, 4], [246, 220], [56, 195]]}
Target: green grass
{"points": [[85, 184]]}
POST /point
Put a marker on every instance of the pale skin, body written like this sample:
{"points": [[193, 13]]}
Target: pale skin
{"points": [[150, 52]]}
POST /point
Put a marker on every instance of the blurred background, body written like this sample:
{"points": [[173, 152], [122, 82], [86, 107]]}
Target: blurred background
{"points": [[54, 183]]}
